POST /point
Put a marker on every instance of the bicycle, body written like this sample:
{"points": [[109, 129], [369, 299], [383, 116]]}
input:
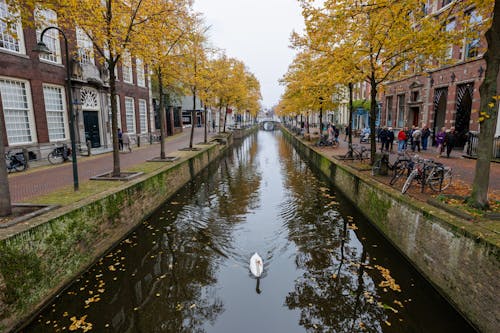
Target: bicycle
{"points": [[59, 154], [324, 142], [15, 162], [399, 167], [436, 175], [356, 152]]}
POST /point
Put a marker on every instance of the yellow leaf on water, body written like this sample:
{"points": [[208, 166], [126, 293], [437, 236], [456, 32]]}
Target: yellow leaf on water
{"points": [[192, 306], [112, 268]]}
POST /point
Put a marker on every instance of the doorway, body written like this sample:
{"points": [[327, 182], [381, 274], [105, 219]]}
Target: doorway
{"points": [[91, 124], [462, 118], [440, 97], [414, 115]]}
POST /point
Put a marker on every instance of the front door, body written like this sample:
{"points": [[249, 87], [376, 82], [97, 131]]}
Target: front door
{"points": [[91, 123], [414, 114]]}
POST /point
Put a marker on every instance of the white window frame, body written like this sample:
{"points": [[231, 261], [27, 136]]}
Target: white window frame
{"points": [[118, 118], [9, 106], [85, 47], [143, 116], [130, 114], [127, 68], [139, 69], [6, 36], [450, 26], [63, 114], [46, 18]]}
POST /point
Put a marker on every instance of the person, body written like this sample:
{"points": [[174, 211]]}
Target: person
{"points": [[440, 141], [126, 141], [390, 139], [417, 137], [213, 125], [409, 137], [426, 133], [346, 132], [450, 140], [120, 139], [382, 136], [402, 139], [331, 133], [336, 133]]}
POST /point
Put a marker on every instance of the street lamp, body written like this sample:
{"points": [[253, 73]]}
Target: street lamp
{"points": [[42, 48], [320, 116]]}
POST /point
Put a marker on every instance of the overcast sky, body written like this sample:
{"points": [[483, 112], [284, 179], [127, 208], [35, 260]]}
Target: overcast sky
{"points": [[258, 33]]}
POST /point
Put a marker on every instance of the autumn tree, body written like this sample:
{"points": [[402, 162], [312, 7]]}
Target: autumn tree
{"points": [[376, 38]]}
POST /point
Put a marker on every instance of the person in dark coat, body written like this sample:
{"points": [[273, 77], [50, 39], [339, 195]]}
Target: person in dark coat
{"points": [[450, 140], [426, 133], [390, 139], [120, 139], [382, 136]]}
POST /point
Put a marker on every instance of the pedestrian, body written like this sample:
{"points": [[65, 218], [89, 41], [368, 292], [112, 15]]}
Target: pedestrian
{"points": [[426, 133], [120, 139], [336, 133], [440, 141], [346, 130], [450, 140], [417, 137], [331, 133], [402, 139], [390, 139], [213, 125], [382, 137], [126, 141], [409, 137]]}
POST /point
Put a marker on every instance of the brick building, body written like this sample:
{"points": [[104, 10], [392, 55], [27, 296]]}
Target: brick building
{"points": [[445, 96], [33, 97]]}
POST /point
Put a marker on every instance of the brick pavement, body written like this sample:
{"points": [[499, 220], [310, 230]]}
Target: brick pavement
{"points": [[463, 168], [43, 180]]}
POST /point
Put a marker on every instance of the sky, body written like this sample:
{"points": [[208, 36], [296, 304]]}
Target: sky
{"points": [[256, 32]]}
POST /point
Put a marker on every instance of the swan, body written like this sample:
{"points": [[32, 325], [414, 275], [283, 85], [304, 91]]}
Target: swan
{"points": [[256, 265]]}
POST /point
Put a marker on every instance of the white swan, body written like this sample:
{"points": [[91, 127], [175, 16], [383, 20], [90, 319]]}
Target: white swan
{"points": [[256, 265]]}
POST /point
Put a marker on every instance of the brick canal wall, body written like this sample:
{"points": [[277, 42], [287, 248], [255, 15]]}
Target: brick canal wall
{"points": [[450, 252], [37, 263]]}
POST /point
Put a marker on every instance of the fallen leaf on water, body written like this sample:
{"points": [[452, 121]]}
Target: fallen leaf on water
{"points": [[387, 323], [112, 268], [192, 306]]}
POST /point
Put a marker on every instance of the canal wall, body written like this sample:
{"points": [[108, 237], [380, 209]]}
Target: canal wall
{"points": [[36, 263], [450, 252]]}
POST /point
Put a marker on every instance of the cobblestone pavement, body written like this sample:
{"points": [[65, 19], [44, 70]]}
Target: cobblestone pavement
{"points": [[43, 180]]}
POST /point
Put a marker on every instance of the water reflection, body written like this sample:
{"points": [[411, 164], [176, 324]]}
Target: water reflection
{"points": [[186, 269]]}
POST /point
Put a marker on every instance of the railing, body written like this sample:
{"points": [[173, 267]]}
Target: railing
{"points": [[473, 143]]}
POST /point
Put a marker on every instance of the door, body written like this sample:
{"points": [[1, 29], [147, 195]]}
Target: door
{"points": [[91, 123], [415, 111]]}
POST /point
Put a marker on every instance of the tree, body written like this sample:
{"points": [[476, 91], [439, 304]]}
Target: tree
{"points": [[375, 38]]}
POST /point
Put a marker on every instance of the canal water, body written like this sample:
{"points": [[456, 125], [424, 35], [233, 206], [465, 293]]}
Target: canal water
{"points": [[186, 268]]}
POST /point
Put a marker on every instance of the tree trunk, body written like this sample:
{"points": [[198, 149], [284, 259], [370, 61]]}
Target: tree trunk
{"points": [[114, 119], [161, 114], [206, 129], [488, 89], [350, 117], [225, 119], [193, 114], [5, 203], [373, 118]]}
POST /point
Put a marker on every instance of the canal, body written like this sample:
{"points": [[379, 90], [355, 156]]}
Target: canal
{"points": [[186, 268]]}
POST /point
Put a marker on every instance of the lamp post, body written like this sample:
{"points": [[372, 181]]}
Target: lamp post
{"points": [[320, 116], [42, 48]]}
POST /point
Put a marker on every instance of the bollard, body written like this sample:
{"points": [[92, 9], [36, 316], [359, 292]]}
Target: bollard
{"points": [[26, 157], [89, 146], [138, 141]]}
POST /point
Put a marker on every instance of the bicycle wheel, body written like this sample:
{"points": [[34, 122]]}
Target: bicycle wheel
{"points": [[376, 167], [19, 166], [55, 158], [399, 168], [408, 181], [440, 179], [364, 155]]}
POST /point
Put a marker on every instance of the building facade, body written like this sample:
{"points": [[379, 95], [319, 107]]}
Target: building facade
{"points": [[447, 96], [33, 90]]}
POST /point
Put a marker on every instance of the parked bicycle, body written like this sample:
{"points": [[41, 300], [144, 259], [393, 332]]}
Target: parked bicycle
{"points": [[401, 165], [15, 161], [357, 153], [325, 142], [60, 154], [428, 172]]}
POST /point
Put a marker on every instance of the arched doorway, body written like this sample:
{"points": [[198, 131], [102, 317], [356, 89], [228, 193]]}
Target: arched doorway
{"points": [[464, 106], [440, 97]]}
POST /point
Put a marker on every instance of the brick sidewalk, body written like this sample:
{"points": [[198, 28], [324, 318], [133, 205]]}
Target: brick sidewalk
{"points": [[463, 168], [43, 180]]}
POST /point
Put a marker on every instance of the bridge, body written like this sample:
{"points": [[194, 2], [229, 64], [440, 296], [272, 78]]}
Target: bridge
{"points": [[269, 125]]}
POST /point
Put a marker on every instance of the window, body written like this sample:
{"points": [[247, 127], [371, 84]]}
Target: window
{"points": [[55, 110], [389, 111], [130, 114], [450, 26], [17, 110], [472, 42], [139, 68], [143, 118], [46, 18], [127, 68], [119, 122], [85, 47], [401, 110], [10, 40]]}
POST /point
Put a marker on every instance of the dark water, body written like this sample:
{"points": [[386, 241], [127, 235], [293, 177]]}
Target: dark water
{"points": [[186, 268]]}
